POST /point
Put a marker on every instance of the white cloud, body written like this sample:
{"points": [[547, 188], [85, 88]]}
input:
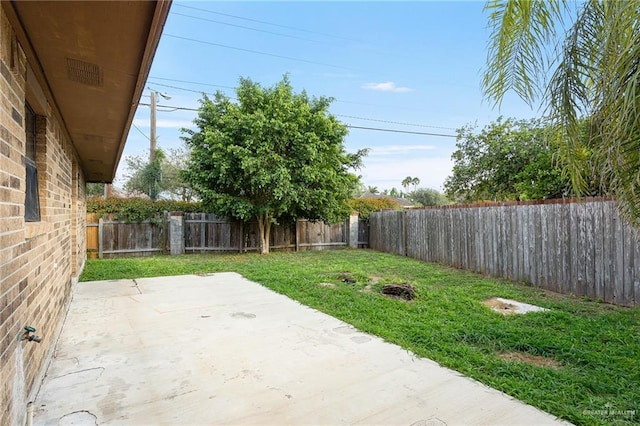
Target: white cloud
{"points": [[388, 86], [399, 149]]}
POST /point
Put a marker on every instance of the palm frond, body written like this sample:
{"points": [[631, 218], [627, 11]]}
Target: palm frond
{"points": [[519, 50]]}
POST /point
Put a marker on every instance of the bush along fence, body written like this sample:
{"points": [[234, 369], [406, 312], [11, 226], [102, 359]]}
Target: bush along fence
{"points": [[582, 248], [178, 233]]}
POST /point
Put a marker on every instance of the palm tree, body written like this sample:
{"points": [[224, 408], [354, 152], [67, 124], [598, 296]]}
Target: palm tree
{"points": [[373, 189], [415, 181], [591, 71]]}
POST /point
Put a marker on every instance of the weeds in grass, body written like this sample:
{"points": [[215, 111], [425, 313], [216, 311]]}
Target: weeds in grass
{"points": [[592, 349]]}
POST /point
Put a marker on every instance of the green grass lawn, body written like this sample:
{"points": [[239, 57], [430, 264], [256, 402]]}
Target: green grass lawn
{"points": [[595, 346]]}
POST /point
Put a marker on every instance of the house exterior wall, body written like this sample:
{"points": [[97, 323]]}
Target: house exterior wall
{"points": [[39, 261]]}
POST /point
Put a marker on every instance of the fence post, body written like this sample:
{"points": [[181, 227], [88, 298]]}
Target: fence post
{"points": [[176, 233], [165, 233], [297, 235], [352, 230], [100, 238], [403, 232]]}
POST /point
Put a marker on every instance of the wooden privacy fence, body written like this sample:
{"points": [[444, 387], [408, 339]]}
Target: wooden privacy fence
{"points": [[178, 233], [207, 232], [581, 248]]}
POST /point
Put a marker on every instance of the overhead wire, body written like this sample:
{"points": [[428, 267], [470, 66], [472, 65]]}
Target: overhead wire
{"points": [[247, 28], [266, 23], [338, 115], [360, 42], [233, 88], [346, 124], [394, 122], [258, 52], [175, 87], [141, 132], [191, 82], [400, 131]]}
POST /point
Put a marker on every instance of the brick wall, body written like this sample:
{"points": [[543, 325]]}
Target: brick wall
{"points": [[38, 260]]}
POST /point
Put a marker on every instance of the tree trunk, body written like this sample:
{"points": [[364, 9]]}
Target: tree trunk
{"points": [[264, 227]]}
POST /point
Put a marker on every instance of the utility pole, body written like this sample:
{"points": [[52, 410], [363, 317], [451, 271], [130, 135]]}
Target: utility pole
{"points": [[152, 147], [152, 139]]}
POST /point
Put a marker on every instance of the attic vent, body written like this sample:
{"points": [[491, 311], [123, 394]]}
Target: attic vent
{"points": [[84, 72]]}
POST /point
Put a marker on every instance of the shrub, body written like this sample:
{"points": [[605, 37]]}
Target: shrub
{"points": [[138, 209], [365, 206]]}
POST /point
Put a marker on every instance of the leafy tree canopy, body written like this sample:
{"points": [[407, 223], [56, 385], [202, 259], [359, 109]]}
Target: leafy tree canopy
{"points": [[367, 205], [138, 209], [94, 189], [581, 60], [506, 160], [273, 155], [516, 160], [428, 197], [160, 178]]}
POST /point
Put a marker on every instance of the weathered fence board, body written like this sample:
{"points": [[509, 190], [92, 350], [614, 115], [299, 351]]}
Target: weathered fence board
{"points": [[92, 235], [320, 236], [205, 232], [581, 248], [363, 233], [133, 239]]}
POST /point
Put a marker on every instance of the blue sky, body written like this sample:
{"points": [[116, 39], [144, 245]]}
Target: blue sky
{"points": [[418, 63]]}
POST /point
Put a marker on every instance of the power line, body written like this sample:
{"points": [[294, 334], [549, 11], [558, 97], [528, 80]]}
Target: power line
{"points": [[257, 52], [175, 87], [394, 122], [347, 125], [233, 88], [276, 33], [338, 115], [192, 82], [175, 108], [138, 129], [401, 131], [266, 23], [247, 28]]}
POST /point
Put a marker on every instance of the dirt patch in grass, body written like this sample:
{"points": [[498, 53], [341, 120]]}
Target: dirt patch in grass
{"points": [[399, 291], [328, 285], [507, 306], [347, 278], [499, 306], [373, 280], [540, 361]]}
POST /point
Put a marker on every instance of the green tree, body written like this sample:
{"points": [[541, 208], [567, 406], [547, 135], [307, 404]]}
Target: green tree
{"points": [[94, 190], [367, 205], [428, 197], [507, 160], [591, 69], [373, 189], [173, 180], [273, 155], [144, 176], [162, 177], [409, 181]]}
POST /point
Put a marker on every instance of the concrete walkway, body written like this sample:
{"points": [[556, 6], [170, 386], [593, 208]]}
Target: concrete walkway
{"points": [[219, 349]]}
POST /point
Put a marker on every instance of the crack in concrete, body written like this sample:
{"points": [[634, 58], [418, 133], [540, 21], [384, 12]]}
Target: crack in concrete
{"points": [[137, 286], [77, 417], [175, 395], [82, 371]]}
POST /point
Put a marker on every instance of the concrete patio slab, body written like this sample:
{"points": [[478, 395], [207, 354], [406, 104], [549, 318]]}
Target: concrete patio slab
{"points": [[219, 349]]}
